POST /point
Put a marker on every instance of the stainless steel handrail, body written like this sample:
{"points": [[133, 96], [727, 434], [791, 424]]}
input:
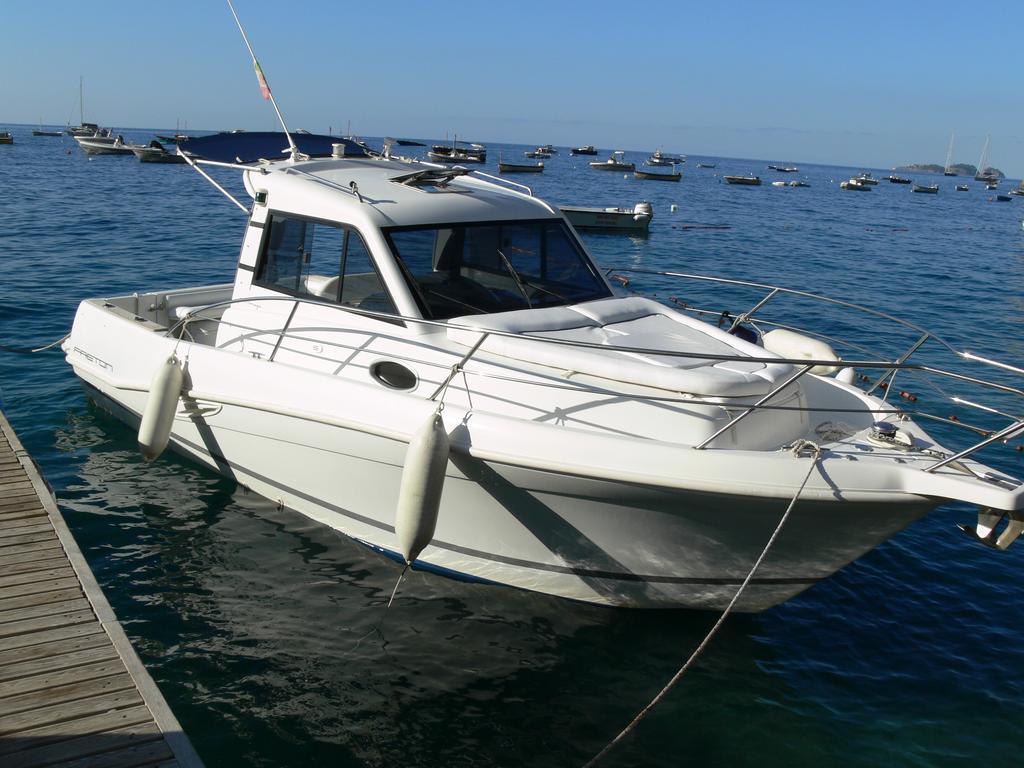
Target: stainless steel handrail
{"points": [[805, 365]]}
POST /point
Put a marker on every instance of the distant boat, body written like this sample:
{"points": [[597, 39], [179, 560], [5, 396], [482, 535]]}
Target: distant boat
{"points": [[616, 162], [948, 169], [705, 165], [409, 143], [962, 188], [540, 153], [41, 132], [1003, 198], [635, 220], [520, 167], [6, 138], [984, 173], [83, 128], [866, 178], [458, 152], [104, 145], [587, 150], [928, 189], [784, 168], [899, 179], [663, 158], [750, 181], [154, 152], [177, 138], [548, 148], [855, 184], [659, 176], [992, 185], [797, 183]]}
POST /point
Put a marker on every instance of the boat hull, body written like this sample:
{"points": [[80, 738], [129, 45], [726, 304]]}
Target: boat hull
{"points": [[562, 534], [620, 522]]}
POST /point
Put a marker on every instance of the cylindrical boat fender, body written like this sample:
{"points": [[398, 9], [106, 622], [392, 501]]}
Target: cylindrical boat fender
{"points": [[419, 495], [846, 375], [158, 415], [796, 346]]}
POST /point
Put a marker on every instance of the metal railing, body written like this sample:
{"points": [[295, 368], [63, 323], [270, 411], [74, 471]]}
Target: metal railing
{"points": [[888, 368]]}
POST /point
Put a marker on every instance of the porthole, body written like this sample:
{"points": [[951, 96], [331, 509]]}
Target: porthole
{"points": [[393, 375]]}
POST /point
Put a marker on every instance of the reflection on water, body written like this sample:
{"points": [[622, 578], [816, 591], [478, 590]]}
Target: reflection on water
{"points": [[268, 633]]}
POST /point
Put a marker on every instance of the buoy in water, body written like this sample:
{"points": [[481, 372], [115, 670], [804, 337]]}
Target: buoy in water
{"points": [[158, 415], [673, 208], [419, 495]]}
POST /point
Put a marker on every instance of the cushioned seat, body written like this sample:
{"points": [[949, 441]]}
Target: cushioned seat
{"points": [[641, 324]]}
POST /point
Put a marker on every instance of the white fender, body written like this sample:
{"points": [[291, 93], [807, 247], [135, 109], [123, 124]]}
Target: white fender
{"points": [[420, 493], [846, 375], [158, 415], [796, 346]]}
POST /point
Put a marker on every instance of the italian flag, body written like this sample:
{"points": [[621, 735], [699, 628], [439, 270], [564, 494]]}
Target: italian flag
{"points": [[264, 88]]}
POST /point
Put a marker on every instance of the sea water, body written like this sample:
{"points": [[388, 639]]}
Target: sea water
{"points": [[267, 632]]}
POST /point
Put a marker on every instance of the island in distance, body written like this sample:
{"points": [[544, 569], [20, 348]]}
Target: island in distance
{"points": [[960, 169]]}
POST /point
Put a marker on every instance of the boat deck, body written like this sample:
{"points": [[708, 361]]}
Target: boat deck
{"points": [[72, 689]]}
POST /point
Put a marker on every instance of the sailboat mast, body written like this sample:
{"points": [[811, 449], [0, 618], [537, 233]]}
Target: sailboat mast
{"points": [[81, 102], [949, 152]]}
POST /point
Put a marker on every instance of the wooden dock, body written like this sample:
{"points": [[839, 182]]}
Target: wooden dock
{"points": [[73, 692]]}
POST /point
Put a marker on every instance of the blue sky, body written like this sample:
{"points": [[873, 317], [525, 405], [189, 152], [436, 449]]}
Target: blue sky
{"points": [[866, 84]]}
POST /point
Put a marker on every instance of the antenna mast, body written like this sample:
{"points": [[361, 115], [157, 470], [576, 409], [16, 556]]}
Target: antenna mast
{"points": [[267, 93]]}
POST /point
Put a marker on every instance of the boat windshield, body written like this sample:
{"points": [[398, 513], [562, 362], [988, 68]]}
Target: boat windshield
{"points": [[460, 269]]}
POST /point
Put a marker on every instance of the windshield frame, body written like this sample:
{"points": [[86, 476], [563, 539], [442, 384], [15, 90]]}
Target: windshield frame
{"points": [[517, 298]]}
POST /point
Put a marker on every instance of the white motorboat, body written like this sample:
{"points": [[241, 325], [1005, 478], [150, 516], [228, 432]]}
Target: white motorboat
{"points": [[395, 325], [631, 221], [664, 158], [99, 144], [615, 162]]}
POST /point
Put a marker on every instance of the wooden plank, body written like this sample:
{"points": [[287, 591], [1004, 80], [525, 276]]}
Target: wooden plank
{"points": [[12, 481], [23, 527], [30, 538], [40, 623], [41, 598], [65, 711], [46, 609], [144, 754], [26, 513], [58, 662], [36, 638], [16, 490], [55, 679], [61, 572], [55, 648], [50, 585], [83, 746], [89, 725], [66, 694], [29, 551], [18, 502], [28, 566]]}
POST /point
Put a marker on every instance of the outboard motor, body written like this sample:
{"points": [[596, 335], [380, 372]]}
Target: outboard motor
{"points": [[643, 211]]}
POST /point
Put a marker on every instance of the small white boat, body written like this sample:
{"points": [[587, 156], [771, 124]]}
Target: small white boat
{"points": [[664, 158], [464, 389], [635, 220], [856, 184], [615, 162], [104, 145]]}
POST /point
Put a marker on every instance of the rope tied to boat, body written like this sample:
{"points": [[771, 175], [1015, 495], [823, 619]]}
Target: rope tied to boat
{"points": [[798, 448], [30, 350]]}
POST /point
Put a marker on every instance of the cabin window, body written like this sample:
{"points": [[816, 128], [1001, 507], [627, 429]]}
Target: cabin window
{"points": [[466, 269], [322, 261]]}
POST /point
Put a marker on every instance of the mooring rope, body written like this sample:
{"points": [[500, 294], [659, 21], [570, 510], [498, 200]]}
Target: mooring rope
{"points": [[798, 448], [29, 350]]}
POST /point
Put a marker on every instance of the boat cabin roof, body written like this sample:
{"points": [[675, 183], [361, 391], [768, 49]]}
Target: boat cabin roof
{"points": [[389, 193]]}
